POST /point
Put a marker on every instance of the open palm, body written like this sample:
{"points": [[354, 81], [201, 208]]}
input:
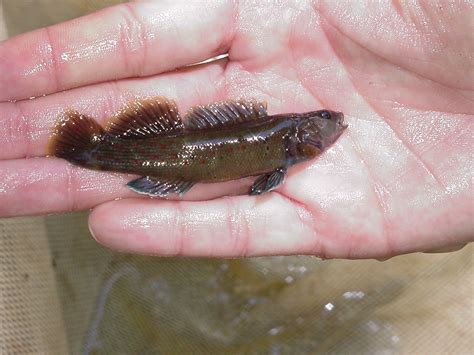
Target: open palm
{"points": [[398, 180]]}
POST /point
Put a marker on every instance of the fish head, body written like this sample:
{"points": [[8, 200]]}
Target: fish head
{"points": [[320, 128]]}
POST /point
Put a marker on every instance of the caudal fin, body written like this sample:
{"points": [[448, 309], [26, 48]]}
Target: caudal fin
{"points": [[74, 137]]}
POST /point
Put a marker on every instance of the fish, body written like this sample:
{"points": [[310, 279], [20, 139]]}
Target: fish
{"points": [[212, 143]]}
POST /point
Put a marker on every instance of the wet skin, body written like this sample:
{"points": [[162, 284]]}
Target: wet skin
{"points": [[398, 181], [218, 142]]}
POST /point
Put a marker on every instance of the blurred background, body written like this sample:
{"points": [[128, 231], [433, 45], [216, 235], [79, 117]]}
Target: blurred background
{"points": [[62, 293]]}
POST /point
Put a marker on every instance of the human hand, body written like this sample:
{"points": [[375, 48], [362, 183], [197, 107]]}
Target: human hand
{"points": [[399, 180]]}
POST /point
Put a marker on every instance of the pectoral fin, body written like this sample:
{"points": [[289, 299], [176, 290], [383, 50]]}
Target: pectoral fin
{"points": [[268, 182], [152, 186]]}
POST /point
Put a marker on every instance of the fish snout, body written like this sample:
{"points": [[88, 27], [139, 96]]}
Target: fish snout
{"points": [[340, 121]]}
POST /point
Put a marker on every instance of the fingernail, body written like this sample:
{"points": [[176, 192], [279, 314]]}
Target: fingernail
{"points": [[447, 249]]}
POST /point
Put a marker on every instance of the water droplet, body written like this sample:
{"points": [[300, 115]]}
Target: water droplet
{"points": [[353, 295], [289, 279], [275, 331], [329, 307]]}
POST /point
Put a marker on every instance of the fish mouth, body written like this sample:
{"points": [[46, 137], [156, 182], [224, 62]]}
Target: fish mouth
{"points": [[340, 121], [341, 126]]}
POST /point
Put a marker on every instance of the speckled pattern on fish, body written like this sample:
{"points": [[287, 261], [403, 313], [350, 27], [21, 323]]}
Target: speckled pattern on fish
{"points": [[214, 143]]}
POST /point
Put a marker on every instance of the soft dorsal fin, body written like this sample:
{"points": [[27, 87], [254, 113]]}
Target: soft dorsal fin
{"points": [[224, 113], [145, 118]]}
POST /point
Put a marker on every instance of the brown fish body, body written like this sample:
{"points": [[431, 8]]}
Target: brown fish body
{"points": [[208, 155], [216, 143]]}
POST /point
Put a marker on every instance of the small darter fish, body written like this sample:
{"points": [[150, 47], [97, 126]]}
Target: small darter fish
{"points": [[219, 142]]}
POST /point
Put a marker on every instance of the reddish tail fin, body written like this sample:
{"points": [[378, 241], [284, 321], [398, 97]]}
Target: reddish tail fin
{"points": [[74, 137]]}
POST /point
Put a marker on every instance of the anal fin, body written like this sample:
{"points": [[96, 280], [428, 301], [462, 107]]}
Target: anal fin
{"points": [[268, 182], [155, 187]]}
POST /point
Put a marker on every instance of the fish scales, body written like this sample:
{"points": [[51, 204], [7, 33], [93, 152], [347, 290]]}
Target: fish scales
{"points": [[201, 156], [214, 143]]}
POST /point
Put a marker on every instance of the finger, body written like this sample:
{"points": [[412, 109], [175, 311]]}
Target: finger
{"points": [[133, 39], [48, 185], [228, 227], [25, 126], [446, 249]]}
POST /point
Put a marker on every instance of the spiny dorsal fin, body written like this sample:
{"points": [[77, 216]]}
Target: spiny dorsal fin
{"points": [[224, 113], [145, 118]]}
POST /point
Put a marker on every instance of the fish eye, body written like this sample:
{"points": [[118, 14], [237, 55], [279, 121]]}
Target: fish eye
{"points": [[326, 115]]}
